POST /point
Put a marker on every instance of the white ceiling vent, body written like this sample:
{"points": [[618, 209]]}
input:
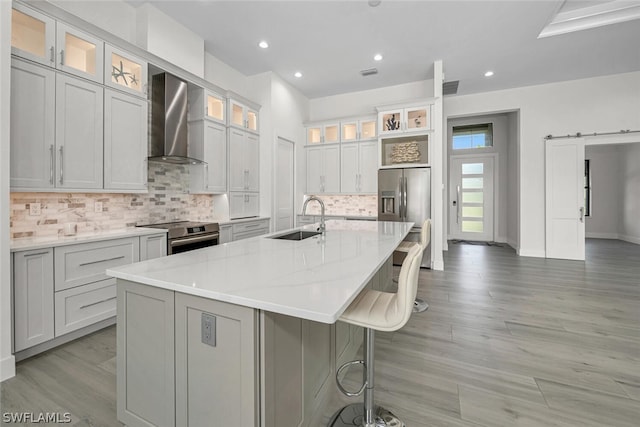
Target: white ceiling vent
{"points": [[369, 72], [450, 88]]}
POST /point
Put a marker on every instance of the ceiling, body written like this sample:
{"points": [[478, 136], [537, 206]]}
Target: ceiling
{"points": [[330, 42]]}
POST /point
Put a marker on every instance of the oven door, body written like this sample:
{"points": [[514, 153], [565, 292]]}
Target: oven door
{"points": [[184, 244]]}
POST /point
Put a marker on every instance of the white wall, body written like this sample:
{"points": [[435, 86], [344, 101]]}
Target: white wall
{"points": [[364, 102], [114, 16], [7, 362], [501, 146], [606, 195], [601, 104], [161, 35], [629, 228]]}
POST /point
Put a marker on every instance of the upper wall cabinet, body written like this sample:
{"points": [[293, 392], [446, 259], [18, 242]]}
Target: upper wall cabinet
{"points": [[125, 72], [79, 53], [39, 38], [403, 120], [243, 116], [358, 130], [33, 35], [323, 133], [206, 104]]}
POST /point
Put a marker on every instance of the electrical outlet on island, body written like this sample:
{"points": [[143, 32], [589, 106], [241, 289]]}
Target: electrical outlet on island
{"points": [[98, 207]]}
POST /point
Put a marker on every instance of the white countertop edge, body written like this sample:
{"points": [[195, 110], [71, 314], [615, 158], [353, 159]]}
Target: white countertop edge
{"points": [[240, 220], [31, 243], [288, 310]]}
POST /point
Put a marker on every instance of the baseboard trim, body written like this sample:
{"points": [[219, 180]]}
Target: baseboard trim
{"points": [[513, 245], [532, 253], [630, 239], [7, 368], [591, 235], [36, 349]]}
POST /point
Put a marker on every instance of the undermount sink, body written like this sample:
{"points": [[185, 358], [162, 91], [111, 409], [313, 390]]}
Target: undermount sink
{"points": [[297, 235]]}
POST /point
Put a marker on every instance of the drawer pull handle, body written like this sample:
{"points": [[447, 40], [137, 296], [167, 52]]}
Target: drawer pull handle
{"points": [[96, 303], [37, 253], [252, 225], [101, 260]]}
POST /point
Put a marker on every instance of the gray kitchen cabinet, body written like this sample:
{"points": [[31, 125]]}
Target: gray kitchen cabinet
{"points": [[244, 161], [145, 356], [33, 297], [244, 205], [32, 125], [124, 71], [226, 235], [79, 133], [229, 358], [317, 363], [85, 305], [125, 141], [359, 167], [79, 53], [208, 142], [33, 35], [323, 169], [85, 263], [153, 246], [247, 229]]}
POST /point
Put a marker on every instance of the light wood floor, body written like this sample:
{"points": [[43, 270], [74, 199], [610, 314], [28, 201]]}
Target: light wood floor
{"points": [[507, 341]]}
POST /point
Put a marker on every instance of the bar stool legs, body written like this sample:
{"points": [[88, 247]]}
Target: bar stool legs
{"points": [[365, 414]]}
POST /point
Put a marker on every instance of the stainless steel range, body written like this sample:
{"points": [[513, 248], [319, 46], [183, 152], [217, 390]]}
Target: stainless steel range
{"points": [[185, 236]]}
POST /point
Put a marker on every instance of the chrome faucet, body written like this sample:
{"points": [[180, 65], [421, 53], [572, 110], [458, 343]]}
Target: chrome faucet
{"points": [[322, 228]]}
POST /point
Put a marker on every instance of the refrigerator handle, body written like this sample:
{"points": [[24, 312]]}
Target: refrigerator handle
{"points": [[401, 199], [404, 196]]}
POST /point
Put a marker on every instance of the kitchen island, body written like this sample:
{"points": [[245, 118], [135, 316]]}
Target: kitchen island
{"points": [[245, 333]]}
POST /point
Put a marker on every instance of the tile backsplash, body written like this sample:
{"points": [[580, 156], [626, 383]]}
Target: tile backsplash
{"points": [[167, 200], [348, 205]]}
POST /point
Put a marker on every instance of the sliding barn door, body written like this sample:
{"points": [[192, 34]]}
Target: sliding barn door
{"points": [[565, 208]]}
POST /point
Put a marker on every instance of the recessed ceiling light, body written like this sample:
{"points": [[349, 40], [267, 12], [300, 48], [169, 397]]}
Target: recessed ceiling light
{"points": [[488, 74], [377, 57], [298, 74], [263, 44]]}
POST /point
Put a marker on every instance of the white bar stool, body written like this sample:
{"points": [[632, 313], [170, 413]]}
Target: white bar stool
{"points": [[377, 311], [419, 305]]}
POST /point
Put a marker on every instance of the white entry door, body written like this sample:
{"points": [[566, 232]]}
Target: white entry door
{"points": [[283, 191], [564, 186], [471, 212]]}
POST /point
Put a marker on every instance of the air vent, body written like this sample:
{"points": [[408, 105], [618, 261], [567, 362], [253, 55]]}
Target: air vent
{"points": [[369, 72], [450, 88]]}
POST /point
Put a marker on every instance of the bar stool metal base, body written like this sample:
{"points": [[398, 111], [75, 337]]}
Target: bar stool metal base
{"points": [[353, 415], [420, 305]]}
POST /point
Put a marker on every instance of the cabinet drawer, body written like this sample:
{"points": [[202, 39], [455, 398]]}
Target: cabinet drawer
{"points": [[250, 226], [252, 233], [84, 305], [77, 265]]}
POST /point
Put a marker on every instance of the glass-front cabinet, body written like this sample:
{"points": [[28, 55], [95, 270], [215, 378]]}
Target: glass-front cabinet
{"points": [[358, 130], [124, 71], [214, 108], [243, 116], [33, 35], [79, 53], [400, 120], [323, 133]]}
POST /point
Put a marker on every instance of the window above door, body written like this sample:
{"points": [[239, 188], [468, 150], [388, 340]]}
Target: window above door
{"points": [[471, 137]]}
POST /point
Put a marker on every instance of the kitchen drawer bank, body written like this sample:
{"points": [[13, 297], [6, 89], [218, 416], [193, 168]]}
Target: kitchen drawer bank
{"points": [[238, 229], [61, 292]]}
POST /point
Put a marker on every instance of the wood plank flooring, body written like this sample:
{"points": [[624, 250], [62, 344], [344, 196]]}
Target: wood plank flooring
{"points": [[507, 341]]}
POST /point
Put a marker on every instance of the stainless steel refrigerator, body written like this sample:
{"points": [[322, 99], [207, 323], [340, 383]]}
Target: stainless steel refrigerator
{"points": [[405, 195]]}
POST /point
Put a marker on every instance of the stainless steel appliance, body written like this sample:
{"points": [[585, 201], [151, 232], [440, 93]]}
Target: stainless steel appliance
{"points": [[185, 236], [405, 195], [169, 142]]}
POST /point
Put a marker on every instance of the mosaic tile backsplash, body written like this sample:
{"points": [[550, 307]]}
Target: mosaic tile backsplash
{"points": [[348, 205], [167, 200]]}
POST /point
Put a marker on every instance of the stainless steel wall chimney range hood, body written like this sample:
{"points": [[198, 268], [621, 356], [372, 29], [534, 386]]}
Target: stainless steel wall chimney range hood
{"points": [[169, 142]]}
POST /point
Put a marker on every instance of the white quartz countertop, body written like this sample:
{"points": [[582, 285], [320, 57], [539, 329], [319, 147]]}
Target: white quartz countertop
{"points": [[53, 241], [315, 279], [241, 220]]}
